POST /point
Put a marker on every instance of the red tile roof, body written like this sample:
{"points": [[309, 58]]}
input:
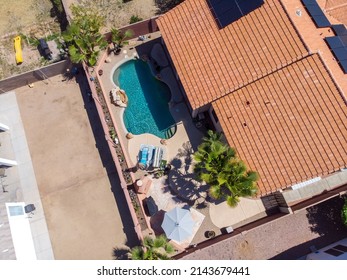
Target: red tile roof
{"points": [[295, 127], [212, 62], [337, 9]]}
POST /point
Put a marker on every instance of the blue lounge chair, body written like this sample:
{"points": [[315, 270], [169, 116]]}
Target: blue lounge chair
{"points": [[150, 155], [144, 154]]}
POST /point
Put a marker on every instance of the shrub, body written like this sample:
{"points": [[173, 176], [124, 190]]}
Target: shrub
{"points": [[344, 213], [135, 18]]}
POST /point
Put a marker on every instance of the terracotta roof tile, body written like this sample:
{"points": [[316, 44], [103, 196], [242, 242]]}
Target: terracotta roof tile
{"points": [[295, 127], [339, 13], [212, 62]]}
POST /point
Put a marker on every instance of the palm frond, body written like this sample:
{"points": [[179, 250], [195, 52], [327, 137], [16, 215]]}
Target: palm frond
{"points": [[215, 191], [137, 253], [232, 201]]}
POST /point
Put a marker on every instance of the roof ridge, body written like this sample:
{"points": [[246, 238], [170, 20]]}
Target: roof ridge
{"points": [[283, 66], [336, 7], [332, 78]]}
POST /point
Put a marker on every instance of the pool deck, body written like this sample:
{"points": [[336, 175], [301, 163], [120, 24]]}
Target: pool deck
{"points": [[179, 188]]}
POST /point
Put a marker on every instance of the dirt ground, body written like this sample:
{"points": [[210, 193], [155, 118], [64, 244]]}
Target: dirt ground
{"points": [[22, 14], [78, 184], [31, 18], [117, 13]]}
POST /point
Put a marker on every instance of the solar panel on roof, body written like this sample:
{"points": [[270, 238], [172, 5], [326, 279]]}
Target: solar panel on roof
{"points": [[334, 42], [308, 2], [248, 6], [338, 45], [314, 10], [316, 13], [228, 11], [343, 65], [343, 39], [339, 29], [321, 21], [340, 53]]}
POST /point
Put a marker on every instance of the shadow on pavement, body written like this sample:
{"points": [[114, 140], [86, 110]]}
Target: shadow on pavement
{"points": [[304, 249], [120, 254], [325, 220], [107, 160]]}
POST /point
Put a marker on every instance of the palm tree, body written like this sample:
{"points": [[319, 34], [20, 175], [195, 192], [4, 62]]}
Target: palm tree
{"points": [[228, 177], [119, 38], [152, 249], [83, 37]]}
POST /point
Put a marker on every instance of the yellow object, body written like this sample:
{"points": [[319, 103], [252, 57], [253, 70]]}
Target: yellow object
{"points": [[18, 49]]}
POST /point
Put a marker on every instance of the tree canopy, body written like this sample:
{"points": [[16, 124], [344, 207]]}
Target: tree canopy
{"points": [[152, 249], [119, 37], [83, 36], [228, 177]]}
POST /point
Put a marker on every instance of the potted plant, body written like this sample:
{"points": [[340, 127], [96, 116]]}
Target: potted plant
{"points": [[210, 234], [119, 38]]}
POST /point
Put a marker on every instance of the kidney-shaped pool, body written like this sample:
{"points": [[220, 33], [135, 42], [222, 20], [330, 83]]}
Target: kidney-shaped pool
{"points": [[148, 108]]}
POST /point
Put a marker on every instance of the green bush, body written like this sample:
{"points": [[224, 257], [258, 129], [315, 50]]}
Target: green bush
{"points": [[135, 18], [344, 213]]}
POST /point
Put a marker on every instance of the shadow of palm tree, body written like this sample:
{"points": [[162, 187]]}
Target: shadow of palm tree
{"points": [[176, 163], [186, 155], [182, 180], [120, 253]]}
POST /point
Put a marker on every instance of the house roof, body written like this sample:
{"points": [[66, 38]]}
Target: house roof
{"points": [[337, 9], [294, 128], [212, 62]]}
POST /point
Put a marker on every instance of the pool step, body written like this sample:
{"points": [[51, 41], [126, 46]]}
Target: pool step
{"points": [[170, 131]]}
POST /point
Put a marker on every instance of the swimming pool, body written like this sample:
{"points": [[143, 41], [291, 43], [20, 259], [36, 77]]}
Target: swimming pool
{"points": [[148, 109]]}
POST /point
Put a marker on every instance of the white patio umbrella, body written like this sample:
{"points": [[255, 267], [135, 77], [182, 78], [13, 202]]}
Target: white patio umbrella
{"points": [[178, 224]]}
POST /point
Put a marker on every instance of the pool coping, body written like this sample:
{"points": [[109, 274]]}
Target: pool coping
{"points": [[163, 80]]}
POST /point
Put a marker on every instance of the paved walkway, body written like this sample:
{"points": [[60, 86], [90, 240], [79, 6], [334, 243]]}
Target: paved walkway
{"points": [[235, 217], [20, 184], [289, 237]]}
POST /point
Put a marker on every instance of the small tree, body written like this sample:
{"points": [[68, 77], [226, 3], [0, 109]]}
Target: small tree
{"points": [[152, 249], [344, 213], [119, 38], [135, 18], [217, 165], [83, 36]]}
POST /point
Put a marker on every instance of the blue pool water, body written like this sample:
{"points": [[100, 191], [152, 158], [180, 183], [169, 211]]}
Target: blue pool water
{"points": [[148, 109]]}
